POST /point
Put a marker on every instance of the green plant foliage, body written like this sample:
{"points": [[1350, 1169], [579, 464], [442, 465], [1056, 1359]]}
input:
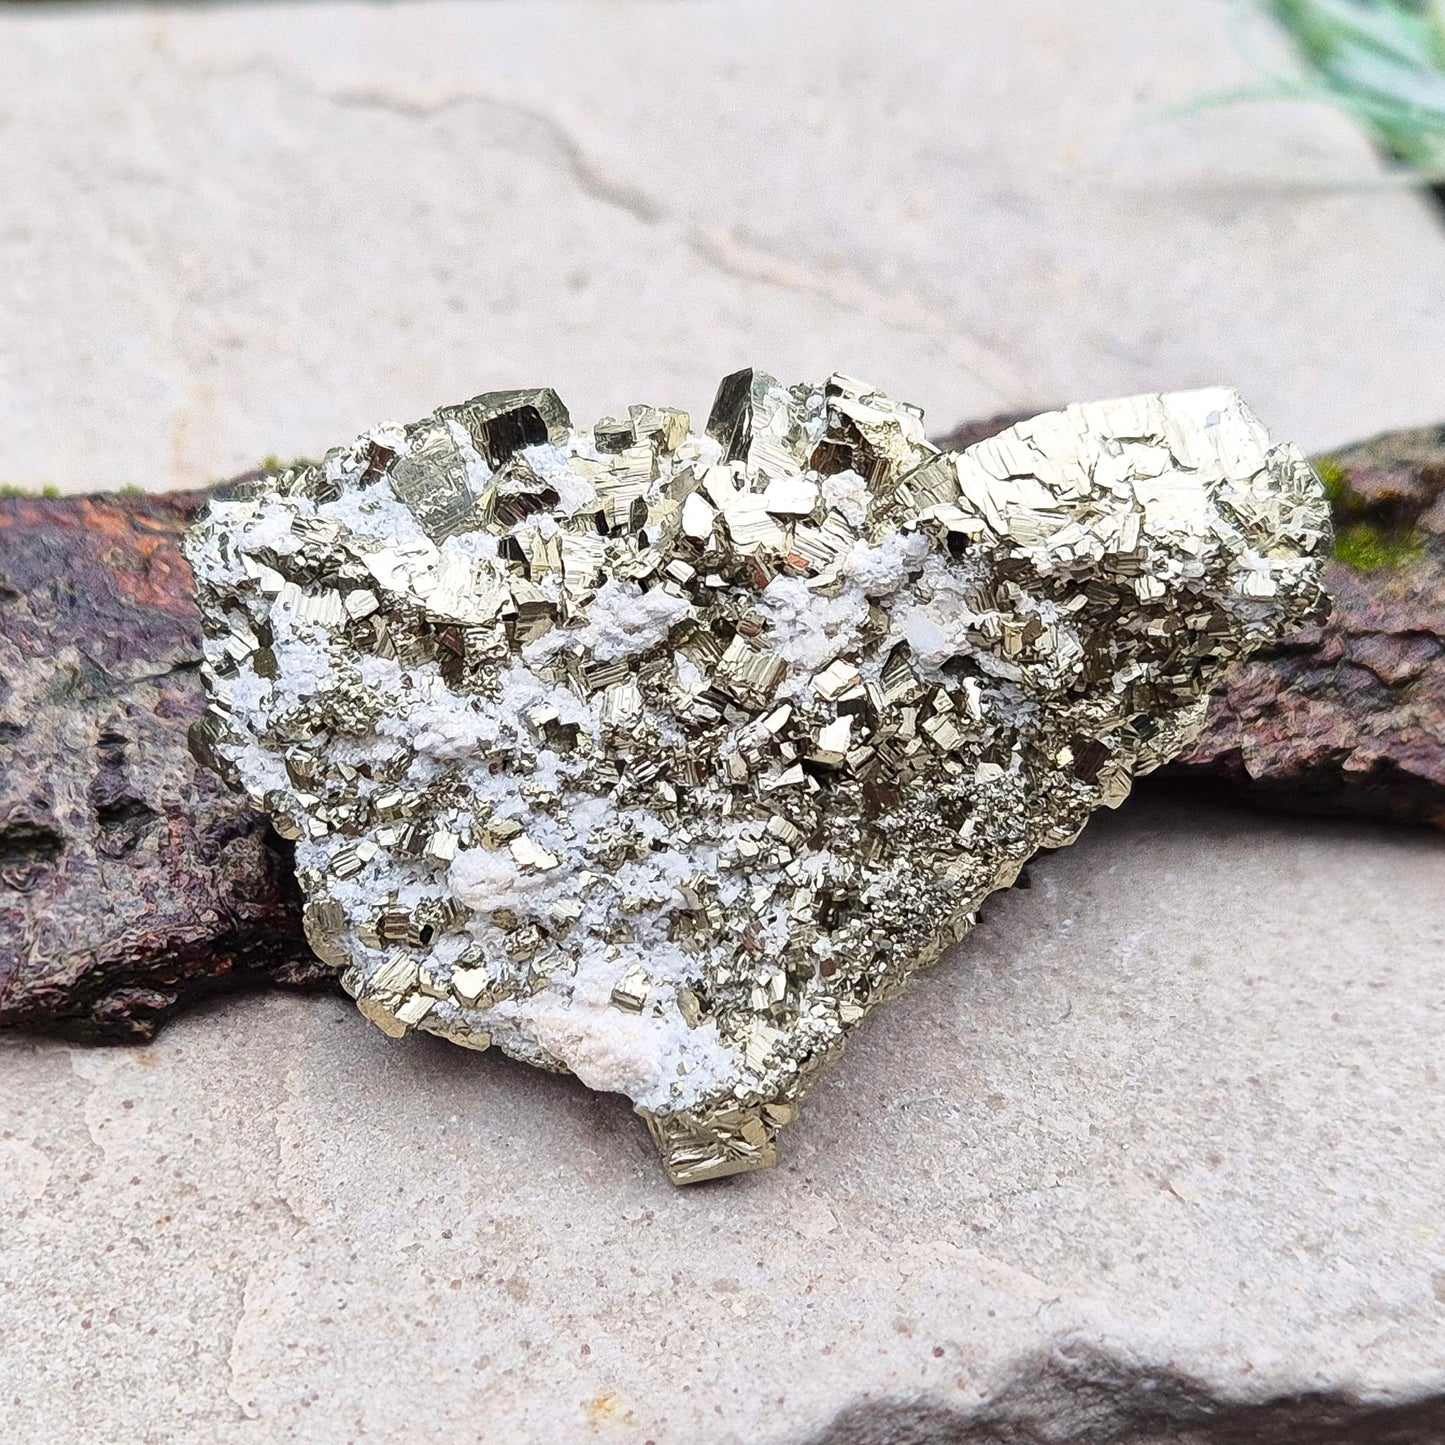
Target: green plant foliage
{"points": [[1382, 61], [1337, 484], [8, 489]]}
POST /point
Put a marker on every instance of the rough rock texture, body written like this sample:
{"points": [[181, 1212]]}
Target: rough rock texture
{"points": [[1349, 717], [1079, 1394], [216, 1239], [130, 881]]}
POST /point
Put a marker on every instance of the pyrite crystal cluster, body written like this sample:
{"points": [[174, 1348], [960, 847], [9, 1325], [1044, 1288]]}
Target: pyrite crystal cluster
{"points": [[664, 758]]}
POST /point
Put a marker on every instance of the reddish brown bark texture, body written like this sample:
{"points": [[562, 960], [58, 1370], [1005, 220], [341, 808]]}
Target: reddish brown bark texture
{"points": [[1350, 717], [132, 882]]}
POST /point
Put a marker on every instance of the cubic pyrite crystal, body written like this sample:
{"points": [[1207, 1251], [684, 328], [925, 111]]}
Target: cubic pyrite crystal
{"points": [[663, 758]]}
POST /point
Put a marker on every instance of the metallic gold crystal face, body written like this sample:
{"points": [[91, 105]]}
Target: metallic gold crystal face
{"points": [[663, 758]]}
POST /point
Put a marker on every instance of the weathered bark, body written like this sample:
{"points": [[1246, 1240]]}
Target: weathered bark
{"points": [[1350, 717], [131, 881]]}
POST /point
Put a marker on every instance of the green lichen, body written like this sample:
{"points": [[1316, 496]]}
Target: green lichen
{"points": [[1361, 541], [1368, 548], [1337, 484], [1346, 504], [273, 463]]}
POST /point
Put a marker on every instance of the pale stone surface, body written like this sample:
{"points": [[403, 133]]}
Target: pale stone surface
{"points": [[1177, 1103], [243, 230]]}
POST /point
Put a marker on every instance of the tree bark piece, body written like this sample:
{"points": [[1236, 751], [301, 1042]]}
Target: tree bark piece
{"points": [[1349, 717], [132, 882]]}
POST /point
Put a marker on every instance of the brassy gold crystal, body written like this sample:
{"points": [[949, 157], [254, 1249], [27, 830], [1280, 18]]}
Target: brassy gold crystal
{"points": [[663, 758]]}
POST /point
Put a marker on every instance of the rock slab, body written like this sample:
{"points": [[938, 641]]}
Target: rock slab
{"points": [[1167, 1169], [1014, 214]]}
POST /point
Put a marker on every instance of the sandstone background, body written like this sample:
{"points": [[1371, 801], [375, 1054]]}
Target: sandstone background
{"points": [[1155, 1155]]}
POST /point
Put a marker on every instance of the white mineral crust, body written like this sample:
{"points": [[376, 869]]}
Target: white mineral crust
{"points": [[662, 758]]}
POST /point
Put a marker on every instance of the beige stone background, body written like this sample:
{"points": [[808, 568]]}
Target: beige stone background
{"points": [[1173, 1115]]}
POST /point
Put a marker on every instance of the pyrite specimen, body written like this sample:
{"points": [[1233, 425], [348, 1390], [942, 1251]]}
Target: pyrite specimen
{"points": [[664, 758]]}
